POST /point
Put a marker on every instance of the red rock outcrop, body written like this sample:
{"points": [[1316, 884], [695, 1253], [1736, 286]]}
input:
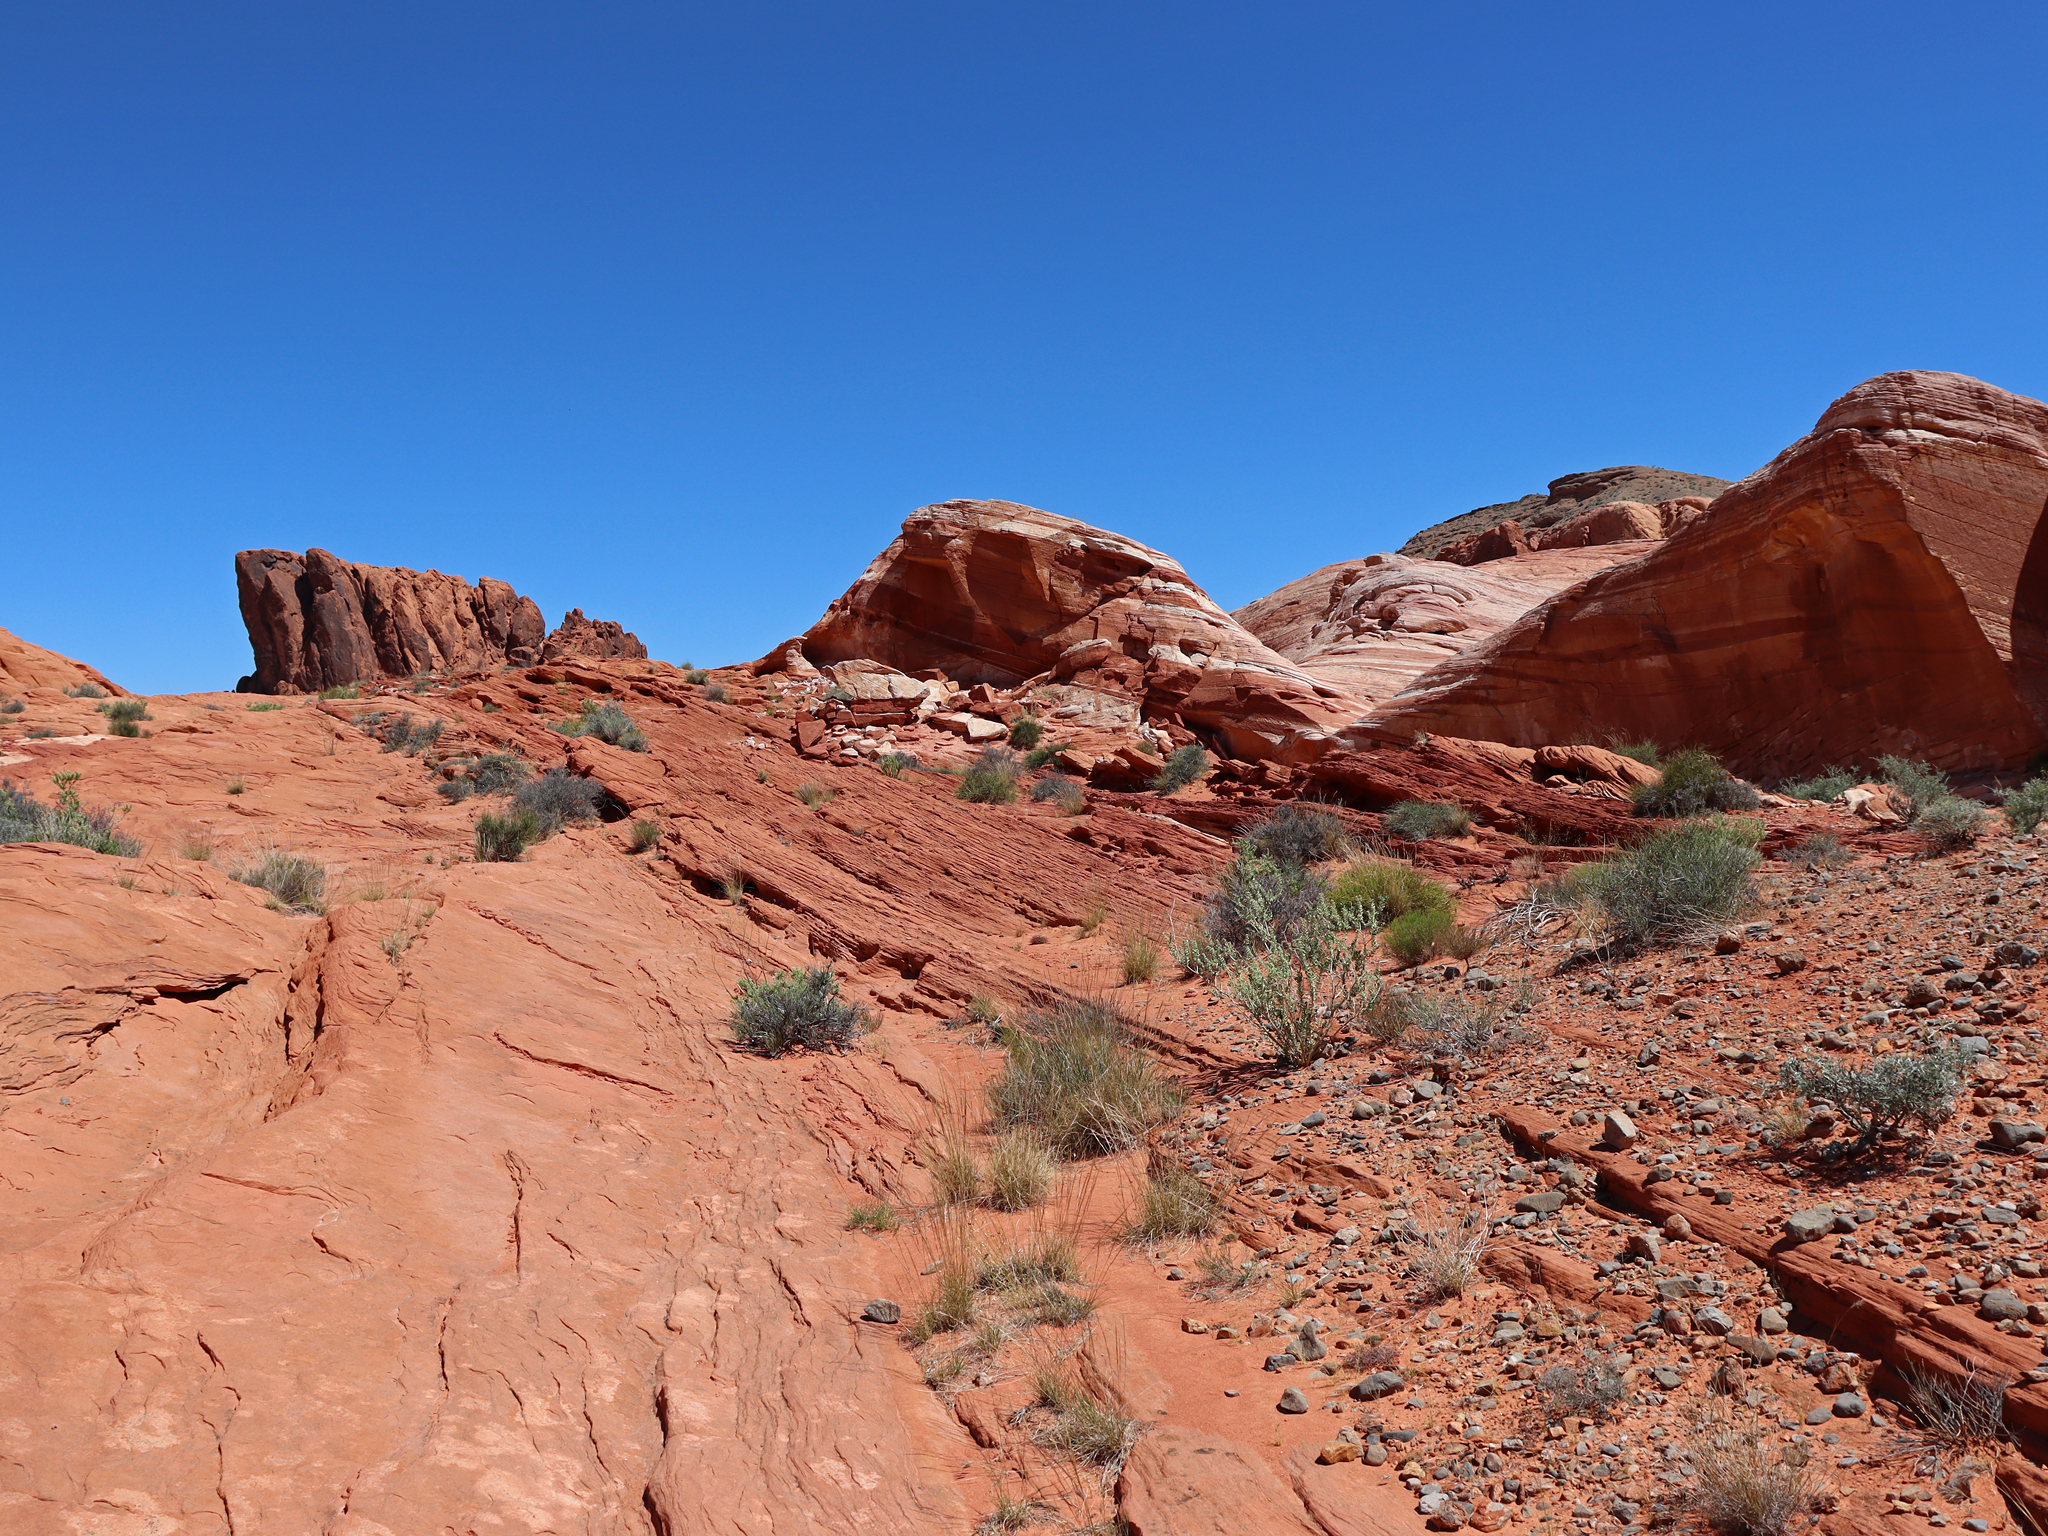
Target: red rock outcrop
{"points": [[24, 666], [997, 593], [317, 621], [1881, 586], [1568, 497], [1628, 523]]}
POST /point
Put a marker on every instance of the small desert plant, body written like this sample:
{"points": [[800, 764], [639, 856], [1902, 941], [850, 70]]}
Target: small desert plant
{"points": [[1688, 880], [1074, 1076], [1417, 821], [1141, 958], [696, 675], [1301, 834], [1025, 731], [1693, 783], [25, 819], [1388, 889], [1259, 895], [984, 1010], [1450, 1026], [717, 694], [1055, 1307], [2025, 806], [85, 691], [606, 721], [1824, 786], [895, 764], [1042, 754], [497, 772], [992, 778], [1745, 1486], [1045, 1259], [1020, 1171], [815, 795], [559, 797], [733, 885], [1200, 954], [1417, 936], [257, 709], [294, 882], [1882, 1099], [1823, 850], [12, 707], [645, 835], [1966, 1411], [1225, 1276], [796, 1008], [124, 715], [1950, 822], [952, 1305], [1066, 794], [407, 735], [875, 1217], [956, 1179], [1451, 1252], [1921, 783], [1784, 1123], [1083, 1426], [197, 846], [1008, 1514], [1175, 1204], [1093, 917], [502, 839], [1648, 753], [341, 691], [1585, 1391], [1183, 766], [237, 786], [1301, 987]]}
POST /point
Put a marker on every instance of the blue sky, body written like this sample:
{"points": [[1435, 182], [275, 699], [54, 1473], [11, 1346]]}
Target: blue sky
{"points": [[673, 312]]}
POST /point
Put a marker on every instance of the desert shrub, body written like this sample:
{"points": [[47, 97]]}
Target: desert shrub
{"points": [[85, 691], [695, 675], [1417, 936], [1823, 850], [237, 786], [1882, 1099], [876, 1218], [1964, 1411], [1083, 1426], [1140, 957], [1042, 754], [123, 716], [1693, 783], [1921, 783], [197, 846], [1680, 882], [1183, 766], [294, 882], [1450, 1252], [1746, 1486], [1824, 786], [1175, 1204], [1300, 987], [896, 764], [796, 1008], [1648, 753], [12, 707], [497, 772], [1074, 1076], [1259, 894], [455, 790], [257, 709], [1587, 1391], [2025, 806], [1451, 1026], [815, 795], [559, 797], [1025, 731], [645, 835], [952, 1305], [992, 778], [25, 819], [341, 691], [404, 734], [1020, 1171], [1052, 786], [502, 839], [733, 885], [1950, 822], [606, 721], [717, 694], [1201, 954], [1054, 1307], [1301, 834], [1046, 1259], [1419, 820], [1374, 892]]}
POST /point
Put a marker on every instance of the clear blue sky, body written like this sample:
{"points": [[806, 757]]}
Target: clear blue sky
{"points": [[672, 312]]}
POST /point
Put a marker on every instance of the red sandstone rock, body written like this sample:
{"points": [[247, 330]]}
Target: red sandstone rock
{"points": [[578, 638], [1613, 522], [24, 666], [1881, 586]]}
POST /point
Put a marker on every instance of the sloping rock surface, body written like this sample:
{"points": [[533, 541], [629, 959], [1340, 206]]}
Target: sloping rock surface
{"points": [[1881, 586], [1568, 497], [24, 666], [1001, 594]]}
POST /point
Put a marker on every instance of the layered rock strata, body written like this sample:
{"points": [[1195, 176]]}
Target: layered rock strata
{"points": [[1568, 497]]}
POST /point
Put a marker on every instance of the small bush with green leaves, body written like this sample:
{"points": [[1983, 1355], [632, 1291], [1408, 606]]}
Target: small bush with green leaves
{"points": [[1301, 834], [495, 773], [1074, 1075], [502, 839], [608, 722], [796, 1008], [1417, 821], [1259, 894], [2025, 806], [815, 795], [1025, 731], [717, 693], [1420, 935], [992, 778], [294, 882], [1677, 884], [1879, 1101], [124, 716], [1374, 892], [1950, 822], [1301, 987], [25, 819], [1042, 754], [1823, 787], [342, 691], [12, 707], [1693, 783], [85, 691], [1921, 783], [896, 764], [645, 835], [1063, 792], [876, 1218], [559, 798], [257, 709], [1648, 753], [696, 675], [1183, 766]]}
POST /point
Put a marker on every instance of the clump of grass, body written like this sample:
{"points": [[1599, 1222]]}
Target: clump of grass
{"points": [[1446, 1026], [1300, 834], [733, 885], [1183, 766], [12, 707], [716, 693], [85, 691], [1648, 753], [875, 1218], [404, 734], [558, 798], [1824, 786], [956, 1178], [952, 1306], [1693, 783], [606, 721], [1074, 1076], [1963, 1412], [502, 839], [896, 764], [992, 778], [1056, 1307], [1823, 850], [492, 774], [1418, 936], [796, 1008], [1882, 1099], [1021, 1170], [1083, 1426], [2025, 806], [1950, 822], [196, 846], [1451, 1253], [1585, 1391], [645, 835], [1025, 731], [815, 795], [1046, 1259], [1175, 1204], [237, 786], [1677, 884], [257, 709], [1042, 754], [1745, 1486], [1140, 957], [1225, 1276], [696, 676], [1417, 821], [295, 883], [1008, 1514], [1093, 917], [342, 691], [1387, 890], [25, 819]]}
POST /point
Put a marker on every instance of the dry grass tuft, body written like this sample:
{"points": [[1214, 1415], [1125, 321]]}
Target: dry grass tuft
{"points": [[1744, 1486], [1448, 1259], [1021, 1169]]}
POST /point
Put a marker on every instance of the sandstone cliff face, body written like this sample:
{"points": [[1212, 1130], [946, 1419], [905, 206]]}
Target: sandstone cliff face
{"points": [[317, 621], [24, 666], [1881, 586], [1569, 496], [994, 592]]}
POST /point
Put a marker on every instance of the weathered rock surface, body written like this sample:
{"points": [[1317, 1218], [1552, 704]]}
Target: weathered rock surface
{"points": [[1005, 595], [317, 621], [1881, 586], [24, 666], [1568, 497]]}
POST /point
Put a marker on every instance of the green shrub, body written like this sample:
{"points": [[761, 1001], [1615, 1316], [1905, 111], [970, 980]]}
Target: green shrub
{"points": [[1201, 954], [876, 1218], [1950, 822], [1176, 1203], [342, 691], [815, 795], [1693, 783], [1259, 894], [502, 839], [559, 797], [1183, 766], [1374, 892], [1645, 752], [1921, 783], [696, 675], [1042, 754], [1419, 820], [2025, 806], [1062, 791], [895, 764], [1880, 1100], [992, 779], [1830, 782], [1299, 988], [1021, 1171], [794, 1008], [123, 715], [1025, 731], [293, 882], [254, 709], [1677, 884], [24, 819], [1301, 834], [85, 691], [1420, 935], [1074, 1076], [497, 772], [1141, 958], [606, 721], [645, 835], [717, 694]]}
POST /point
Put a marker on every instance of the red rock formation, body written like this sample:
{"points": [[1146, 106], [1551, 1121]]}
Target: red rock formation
{"points": [[317, 621], [1610, 522], [24, 666], [1881, 586], [994, 592], [1568, 497]]}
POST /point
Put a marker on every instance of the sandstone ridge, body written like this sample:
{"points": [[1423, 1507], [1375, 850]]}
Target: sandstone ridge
{"points": [[1568, 497]]}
